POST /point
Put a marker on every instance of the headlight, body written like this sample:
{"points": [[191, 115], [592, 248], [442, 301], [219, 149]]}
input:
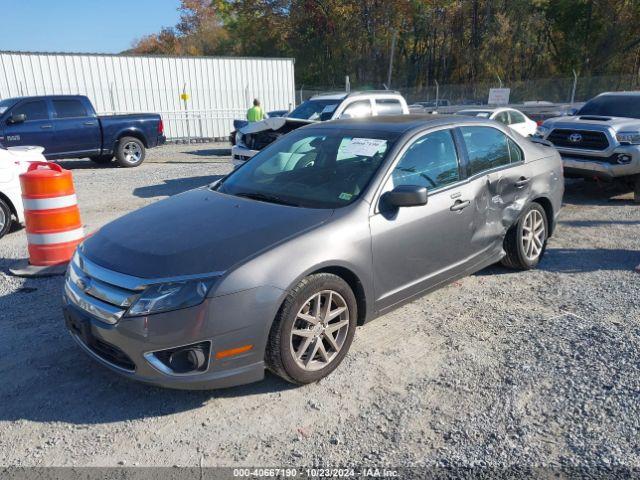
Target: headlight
{"points": [[630, 138], [542, 131], [170, 296]]}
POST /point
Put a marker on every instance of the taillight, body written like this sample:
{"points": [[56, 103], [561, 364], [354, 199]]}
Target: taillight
{"points": [[160, 127]]}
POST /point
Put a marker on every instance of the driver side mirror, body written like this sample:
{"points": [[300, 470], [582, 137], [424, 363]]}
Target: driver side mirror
{"points": [[405, 196], [19, 118]]}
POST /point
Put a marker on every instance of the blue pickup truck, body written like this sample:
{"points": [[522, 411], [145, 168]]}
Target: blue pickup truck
{"points": [[67, 126]]}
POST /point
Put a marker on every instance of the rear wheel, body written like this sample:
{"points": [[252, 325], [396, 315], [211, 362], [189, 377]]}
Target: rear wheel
{"points": [[526, 241], [101, 159], [5, 218], [130, 152], [313, 330]]}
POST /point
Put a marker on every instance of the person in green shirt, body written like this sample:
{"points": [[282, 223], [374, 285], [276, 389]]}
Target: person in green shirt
{"points": [[255, 113]]}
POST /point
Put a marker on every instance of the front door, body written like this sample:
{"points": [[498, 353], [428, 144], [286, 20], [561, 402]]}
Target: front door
{"points": [[417, 248], [36, 129]]}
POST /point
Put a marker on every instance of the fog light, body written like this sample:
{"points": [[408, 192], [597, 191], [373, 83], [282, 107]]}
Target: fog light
{"points": [[623, 159], [182, 360]]}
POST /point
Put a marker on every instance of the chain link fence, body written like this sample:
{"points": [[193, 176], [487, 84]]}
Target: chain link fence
{"points": [[552, 90]]}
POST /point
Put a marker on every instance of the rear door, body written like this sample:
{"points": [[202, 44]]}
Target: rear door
{"points": [[77, 131], [37, 129], [417, 248], [495, 164]]}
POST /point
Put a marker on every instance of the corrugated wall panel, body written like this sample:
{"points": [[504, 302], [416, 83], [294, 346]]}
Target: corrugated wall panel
{"points": [[220, 89]]}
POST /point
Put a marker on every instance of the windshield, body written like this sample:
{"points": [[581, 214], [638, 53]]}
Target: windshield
{"points": [[474, 113], [613, 106], [316, 169], [315, 109], [7, 104]]}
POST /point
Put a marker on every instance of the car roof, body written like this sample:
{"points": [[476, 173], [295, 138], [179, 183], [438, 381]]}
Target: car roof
{"points": [[36, 97], [395, 123], [488, 109], [329, 96], [633, 93]]}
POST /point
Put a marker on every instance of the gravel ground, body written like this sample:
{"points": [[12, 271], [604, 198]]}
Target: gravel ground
{"points": [[524, 369]]}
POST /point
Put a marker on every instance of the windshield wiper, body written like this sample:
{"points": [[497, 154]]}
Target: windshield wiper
{"points": [[263, 197]]}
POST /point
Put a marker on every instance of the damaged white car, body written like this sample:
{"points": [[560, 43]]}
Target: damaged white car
{"points": [[257, 135]]}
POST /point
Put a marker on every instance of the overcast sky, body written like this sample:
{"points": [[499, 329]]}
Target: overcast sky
{"points": [[97, 26]]}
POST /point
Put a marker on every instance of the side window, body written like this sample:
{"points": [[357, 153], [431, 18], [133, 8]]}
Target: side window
{"points": [[361, 108], [503, 117], [487, 148], [431, 161], [388, 106], [516, 117], [34, 110], [515, 152], [69, 108]]}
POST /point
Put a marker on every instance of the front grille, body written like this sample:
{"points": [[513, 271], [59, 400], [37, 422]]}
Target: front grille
{"points": [[586, 139], [257, 141], [111, 354], [98, 291]]}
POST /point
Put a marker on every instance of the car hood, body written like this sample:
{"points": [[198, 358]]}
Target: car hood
{"points": [[197, 232], [275, 123], [593, 122]]}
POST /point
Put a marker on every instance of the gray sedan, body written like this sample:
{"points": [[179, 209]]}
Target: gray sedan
{"points": [[333, 225]]}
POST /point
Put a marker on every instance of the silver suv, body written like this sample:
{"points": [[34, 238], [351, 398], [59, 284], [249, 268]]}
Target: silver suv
{"points": [[327, 228], [601, 140]]}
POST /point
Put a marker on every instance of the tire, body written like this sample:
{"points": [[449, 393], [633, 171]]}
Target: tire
{"points": [[517, 258], [636, 190], [282, 344], [101, 159], [5, 218], [130, 152]]}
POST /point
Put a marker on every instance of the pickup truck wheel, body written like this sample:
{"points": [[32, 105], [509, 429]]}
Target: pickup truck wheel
{"points": [[313, 330], [101, 158], [526, 241], [130, 152], [5, 218]]}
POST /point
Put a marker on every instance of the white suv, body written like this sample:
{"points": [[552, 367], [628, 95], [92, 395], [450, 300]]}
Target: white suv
{"points": [[257, 135]]}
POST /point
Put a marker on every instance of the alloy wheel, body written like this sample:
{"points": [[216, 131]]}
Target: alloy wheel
{"points": [[319, 330], [132, 152], [533, 235]]}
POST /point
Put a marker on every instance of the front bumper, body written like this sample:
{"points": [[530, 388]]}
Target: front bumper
{"points": [[607, 166], [243, 318], [240, 154]]}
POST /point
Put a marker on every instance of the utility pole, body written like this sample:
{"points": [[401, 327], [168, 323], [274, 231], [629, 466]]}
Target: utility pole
{"points": [[347, 84], [575, 84], [437, 91], [393, 49]]}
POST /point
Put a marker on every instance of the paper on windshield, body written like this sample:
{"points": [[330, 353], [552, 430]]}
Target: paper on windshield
{"points": [[329, 108], [364, 147]]}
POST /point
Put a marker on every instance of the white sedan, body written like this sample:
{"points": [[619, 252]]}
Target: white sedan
{"points": [[511, 117], [13, 162]]}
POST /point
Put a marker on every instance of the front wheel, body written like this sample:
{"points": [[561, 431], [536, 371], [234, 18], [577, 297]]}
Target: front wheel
{"points": [[130, 152], [5, 218], [313, 330], [526, 241]]}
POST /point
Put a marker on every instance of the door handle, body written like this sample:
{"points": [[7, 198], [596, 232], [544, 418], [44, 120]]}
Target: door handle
{"points": [[45, 127], [459, 205], [89, 124], [522, 182]]}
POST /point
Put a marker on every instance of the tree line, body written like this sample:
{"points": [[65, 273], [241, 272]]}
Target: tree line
{"points": [[445, 41]]}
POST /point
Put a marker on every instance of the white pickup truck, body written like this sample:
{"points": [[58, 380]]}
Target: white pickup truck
{"points": [[257, 135], [601, 140]]}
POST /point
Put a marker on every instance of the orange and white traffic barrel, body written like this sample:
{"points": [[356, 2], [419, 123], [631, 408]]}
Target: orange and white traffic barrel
{"points": [[52, 217]]}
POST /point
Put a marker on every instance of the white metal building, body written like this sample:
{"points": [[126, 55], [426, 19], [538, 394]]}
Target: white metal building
{"points": [[219, 88]]}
